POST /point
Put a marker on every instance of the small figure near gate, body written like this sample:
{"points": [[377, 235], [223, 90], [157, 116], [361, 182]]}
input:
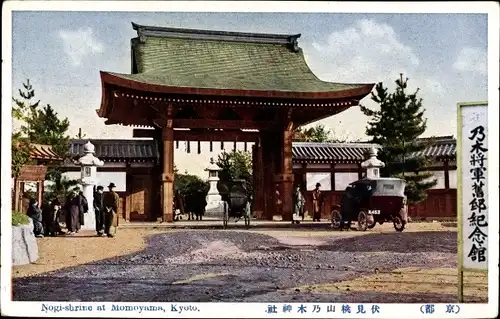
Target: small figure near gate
{"points": [[35, 213], [73, 208], [317, 203], [111, 201], [298, 205], [99, 210], [51, 219]]}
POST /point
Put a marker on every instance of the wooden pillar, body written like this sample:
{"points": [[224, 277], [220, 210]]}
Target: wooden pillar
{"points": [[258, 203], [332, 176], [360, 171], [269, 199], [167, 176], [446, 175], [17, 191], [39, 193], [285, 175]]}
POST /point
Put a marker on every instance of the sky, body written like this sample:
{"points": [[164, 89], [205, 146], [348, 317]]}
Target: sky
{"points": [[444, 55]]}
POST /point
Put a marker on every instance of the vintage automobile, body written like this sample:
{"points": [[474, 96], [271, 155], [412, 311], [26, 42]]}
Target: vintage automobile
{"points": [[371, 201], [238, 203]]}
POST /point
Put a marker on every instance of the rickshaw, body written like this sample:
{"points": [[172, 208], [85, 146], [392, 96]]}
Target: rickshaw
{"points": [[237, 203], [371, 201]]}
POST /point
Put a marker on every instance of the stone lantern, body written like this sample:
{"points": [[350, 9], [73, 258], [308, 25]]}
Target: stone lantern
{"points": [[373, 164], [213, 178], [89, 165], [214, 200]]}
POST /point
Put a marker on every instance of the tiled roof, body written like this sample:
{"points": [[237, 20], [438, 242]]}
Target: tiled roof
{"points": [[330, 152], [223, 60], [118, 150], [146, 150], [440, 148], [43, 152]]}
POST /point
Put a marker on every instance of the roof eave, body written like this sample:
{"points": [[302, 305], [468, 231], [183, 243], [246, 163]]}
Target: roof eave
{"points": [[111, 79]]}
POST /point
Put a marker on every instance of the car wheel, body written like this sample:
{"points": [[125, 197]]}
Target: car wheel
{"points": [[399, 224], [371, 222], [362, 221], [336, 219]]}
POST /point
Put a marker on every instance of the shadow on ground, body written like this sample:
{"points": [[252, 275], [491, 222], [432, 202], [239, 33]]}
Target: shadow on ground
{"points": [[414, 242]]}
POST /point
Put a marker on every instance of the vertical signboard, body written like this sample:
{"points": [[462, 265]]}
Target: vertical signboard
{"points": [[472, 189]]}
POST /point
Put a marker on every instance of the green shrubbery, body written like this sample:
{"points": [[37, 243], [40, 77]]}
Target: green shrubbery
{"points": [[19, 219]]}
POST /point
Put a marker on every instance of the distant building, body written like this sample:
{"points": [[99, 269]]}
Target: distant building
{"points": [[133, 166]]}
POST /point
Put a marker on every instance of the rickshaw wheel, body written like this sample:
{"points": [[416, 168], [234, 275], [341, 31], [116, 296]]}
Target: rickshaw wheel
{"points": [[362, 221], [225, 217], [399, 224], [336, 219], [247, 221]]}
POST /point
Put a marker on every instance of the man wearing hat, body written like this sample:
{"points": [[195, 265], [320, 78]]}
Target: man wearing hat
{"points": [[317, 203], [111, 200], [99, 210]]}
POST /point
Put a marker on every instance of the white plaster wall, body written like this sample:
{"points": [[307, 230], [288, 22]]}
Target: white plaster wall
{"points": [[104, 178], [323, 178], [453, 179], [344, 179]]}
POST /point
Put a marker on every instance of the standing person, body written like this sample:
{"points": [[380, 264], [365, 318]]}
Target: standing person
{"points": [[73, 207], [317, 203], [99, 210], [279, 203], [36, 215], [52, 218], [111, 200], [84, 208], [298, 205]]}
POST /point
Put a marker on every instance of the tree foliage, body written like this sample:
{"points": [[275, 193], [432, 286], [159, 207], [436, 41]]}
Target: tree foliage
{"points": [[396, 126], [21, 110], [318, 133], [39, 125], [236, 165]]}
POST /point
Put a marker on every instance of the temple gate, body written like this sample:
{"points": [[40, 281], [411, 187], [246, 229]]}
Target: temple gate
{"points": [[215, 86]]}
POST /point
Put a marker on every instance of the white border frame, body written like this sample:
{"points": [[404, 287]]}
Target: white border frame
{"points": [[491, 8]]}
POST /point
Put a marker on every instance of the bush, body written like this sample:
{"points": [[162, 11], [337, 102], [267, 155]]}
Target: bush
{"points": [[19, 219]]}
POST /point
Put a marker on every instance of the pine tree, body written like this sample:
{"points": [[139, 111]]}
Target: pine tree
{"points": [[396, 126], [21, 110], [38, 126], [318, 133]]}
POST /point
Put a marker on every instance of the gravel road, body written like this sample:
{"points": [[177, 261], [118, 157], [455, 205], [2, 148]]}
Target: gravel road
{"points": [[231, 265]]}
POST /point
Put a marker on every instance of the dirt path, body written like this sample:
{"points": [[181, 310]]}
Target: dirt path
{"points": [[256, 265], [67, 251]]}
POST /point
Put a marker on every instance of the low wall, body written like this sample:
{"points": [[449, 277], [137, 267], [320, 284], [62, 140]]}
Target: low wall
{"points": [[24, 245]]}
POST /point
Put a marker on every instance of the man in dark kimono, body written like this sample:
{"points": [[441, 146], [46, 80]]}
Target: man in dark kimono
{"points": [[73, 207], [99, 210], [111, 201], [317, 203], [35, 213], [84, 207]]}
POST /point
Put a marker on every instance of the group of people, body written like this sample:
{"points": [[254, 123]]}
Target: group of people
{"points": [[47, 221], [299, 203]]}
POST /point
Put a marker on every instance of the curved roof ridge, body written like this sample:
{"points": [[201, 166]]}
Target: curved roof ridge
{"points": [[271, 38]]}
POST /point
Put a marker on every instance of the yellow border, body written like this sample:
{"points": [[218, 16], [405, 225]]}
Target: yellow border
{"points": [[460, 243]]}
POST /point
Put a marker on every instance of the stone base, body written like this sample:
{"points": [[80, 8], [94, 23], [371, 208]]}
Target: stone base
{"points": [[24, 245], [214, 209], [89, 220]]}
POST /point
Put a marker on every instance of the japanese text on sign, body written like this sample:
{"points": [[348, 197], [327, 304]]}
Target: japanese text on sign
{"points": [[474, 174]]}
